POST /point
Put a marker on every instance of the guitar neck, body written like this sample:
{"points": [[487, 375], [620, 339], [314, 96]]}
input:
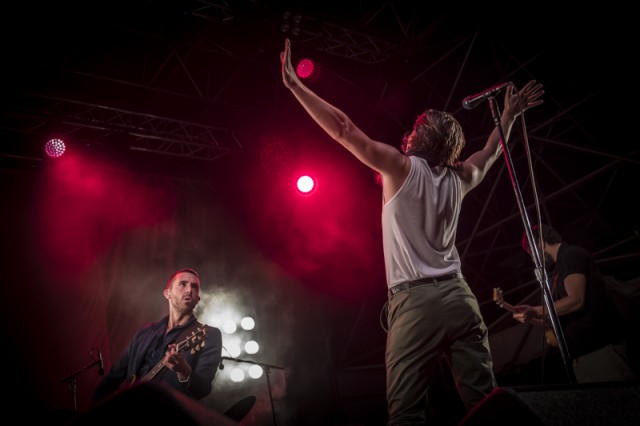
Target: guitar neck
{"points": [[153, 372], [548, 332], [509, 307], [180, 346]]}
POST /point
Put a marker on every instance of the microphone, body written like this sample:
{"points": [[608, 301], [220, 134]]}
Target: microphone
{"points": [[100, 363], [472, 101], [221, 366]]}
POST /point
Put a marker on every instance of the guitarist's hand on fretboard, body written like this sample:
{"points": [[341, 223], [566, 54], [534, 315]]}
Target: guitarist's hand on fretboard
{"points": [[174, 360], [524, 314]]}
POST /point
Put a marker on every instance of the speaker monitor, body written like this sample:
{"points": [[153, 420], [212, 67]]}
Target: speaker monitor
{"points": [[584, 404]]}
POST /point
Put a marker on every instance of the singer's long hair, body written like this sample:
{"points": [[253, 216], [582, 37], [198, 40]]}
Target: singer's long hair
{"points": [[438, 135]]}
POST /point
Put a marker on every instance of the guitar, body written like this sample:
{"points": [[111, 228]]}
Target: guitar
{"points": [[548, 332], [194, 342]]}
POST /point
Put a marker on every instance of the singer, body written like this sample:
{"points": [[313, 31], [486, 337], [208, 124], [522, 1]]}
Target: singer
{"points": [[176, 350], [430, 308]]}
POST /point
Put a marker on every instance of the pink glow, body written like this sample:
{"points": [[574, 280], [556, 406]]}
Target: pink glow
{"points": [[306, 184], [305, 68], [85, 207]]}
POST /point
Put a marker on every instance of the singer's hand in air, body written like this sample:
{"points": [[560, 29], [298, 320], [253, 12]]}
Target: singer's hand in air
{"points": [[289, 76], [518, 101]]}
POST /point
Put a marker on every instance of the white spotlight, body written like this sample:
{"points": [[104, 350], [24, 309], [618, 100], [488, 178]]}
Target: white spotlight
{"points": [[251, 347], [237, 375], [229, 326], [234, 350], [255, 371], [247, 323]]}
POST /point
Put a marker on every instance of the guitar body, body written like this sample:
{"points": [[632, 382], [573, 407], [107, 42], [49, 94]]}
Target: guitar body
{"points": [[549, 334], [193, 342]]}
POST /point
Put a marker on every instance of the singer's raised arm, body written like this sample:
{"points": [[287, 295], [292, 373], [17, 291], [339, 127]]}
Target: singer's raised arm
{"points": [[476, 166]]}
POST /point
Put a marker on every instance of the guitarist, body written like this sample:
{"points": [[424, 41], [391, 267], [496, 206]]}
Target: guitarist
{"points": [[154, 352], [586, 315]]}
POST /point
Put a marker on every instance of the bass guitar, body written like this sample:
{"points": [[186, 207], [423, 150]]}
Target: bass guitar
{"points": [[550, 335]]}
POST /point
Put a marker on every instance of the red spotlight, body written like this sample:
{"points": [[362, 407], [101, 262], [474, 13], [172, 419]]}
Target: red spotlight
{"points": [[306, 184], [54, 148], [305, 68]]}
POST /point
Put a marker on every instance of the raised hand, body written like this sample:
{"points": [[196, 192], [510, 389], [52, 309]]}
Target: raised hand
{"points": [[289, 76], [518, 101]]}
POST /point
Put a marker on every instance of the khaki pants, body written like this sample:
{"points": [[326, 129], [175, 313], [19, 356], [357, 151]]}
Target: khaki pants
{"points": [[424, 322]]}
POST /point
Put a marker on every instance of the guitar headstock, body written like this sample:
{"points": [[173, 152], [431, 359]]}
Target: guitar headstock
{"points": [[498, 296], [194, 341]]}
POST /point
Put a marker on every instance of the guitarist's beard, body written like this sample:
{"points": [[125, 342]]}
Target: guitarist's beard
{"points": [[183, 307]]}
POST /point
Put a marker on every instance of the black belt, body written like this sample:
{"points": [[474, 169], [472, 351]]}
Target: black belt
{"points": [[422, 281]]}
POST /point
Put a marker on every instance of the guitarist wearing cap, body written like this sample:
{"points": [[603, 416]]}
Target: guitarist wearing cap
{"points": [[588, 319], [177, 350]]}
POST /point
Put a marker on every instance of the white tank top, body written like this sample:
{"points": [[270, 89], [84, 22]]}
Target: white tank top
{"points": [[419, 224]]}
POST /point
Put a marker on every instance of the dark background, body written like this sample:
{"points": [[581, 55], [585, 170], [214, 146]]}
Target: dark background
{"points": [[182, 150]]}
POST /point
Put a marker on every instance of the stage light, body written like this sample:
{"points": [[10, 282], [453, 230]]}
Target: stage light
{"points": [[305, 68], [291, 23], [233, 349], [247, 323], [54, 148], [305, 184], [229, 326], [251, 347], [237, 375], [255, 371]]}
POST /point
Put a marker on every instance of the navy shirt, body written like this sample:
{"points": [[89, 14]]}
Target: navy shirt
{"points": [[147, 349]]}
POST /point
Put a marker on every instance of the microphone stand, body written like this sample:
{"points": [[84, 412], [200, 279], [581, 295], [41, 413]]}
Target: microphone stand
{"points": [[541, 274], [71, 380], [268, 367]]}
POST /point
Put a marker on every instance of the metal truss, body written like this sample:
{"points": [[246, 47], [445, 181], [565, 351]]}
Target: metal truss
{"points": [[153, 134], [215, 11], [346, 43]]}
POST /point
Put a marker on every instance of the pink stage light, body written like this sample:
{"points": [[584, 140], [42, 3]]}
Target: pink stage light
{"points": [[54, 148], [305, 68], [305, 184]]}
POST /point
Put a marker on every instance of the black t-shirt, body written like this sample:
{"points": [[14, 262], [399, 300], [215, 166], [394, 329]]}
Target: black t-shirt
{"points": [[597, 324]]}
